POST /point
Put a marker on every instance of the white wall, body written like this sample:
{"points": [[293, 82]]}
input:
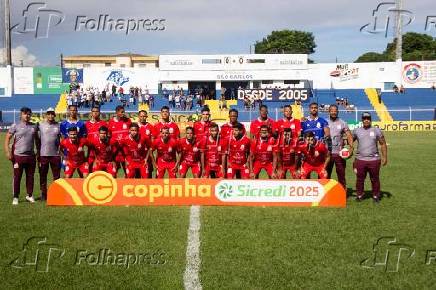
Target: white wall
{"points": [[233, 62], [131, 77], [5, 80], [23, 80]]}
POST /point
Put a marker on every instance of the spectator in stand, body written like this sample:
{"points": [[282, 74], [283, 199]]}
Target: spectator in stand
{"points": [[433, 87], [114, 90]]}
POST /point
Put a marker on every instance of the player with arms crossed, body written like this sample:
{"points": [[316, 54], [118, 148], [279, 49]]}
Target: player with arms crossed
{"points": [[315, 157], [262, 120], [73, 148], [201, 128], [288, 122], [165, 121], [263, 154], [189, 154]]}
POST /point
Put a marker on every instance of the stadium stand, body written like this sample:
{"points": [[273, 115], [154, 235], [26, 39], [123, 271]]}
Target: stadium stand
{"points": [[379, 106], [422, 102]]}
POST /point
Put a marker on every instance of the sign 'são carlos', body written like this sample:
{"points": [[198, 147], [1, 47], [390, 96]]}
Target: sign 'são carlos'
{"points": [[100, 188]]}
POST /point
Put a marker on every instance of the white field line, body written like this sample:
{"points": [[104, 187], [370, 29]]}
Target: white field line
{"points": [[191, 278]]}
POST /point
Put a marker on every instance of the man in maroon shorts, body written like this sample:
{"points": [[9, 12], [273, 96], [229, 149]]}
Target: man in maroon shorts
{"points": [[368, 158], [49, 132], [22, 154]]}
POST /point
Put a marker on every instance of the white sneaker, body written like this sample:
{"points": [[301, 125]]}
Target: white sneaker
{"points": [[30, 199], [15, 201]]}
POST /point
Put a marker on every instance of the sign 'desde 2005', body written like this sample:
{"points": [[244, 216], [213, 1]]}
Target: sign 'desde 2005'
{"points": [[275, 95]]}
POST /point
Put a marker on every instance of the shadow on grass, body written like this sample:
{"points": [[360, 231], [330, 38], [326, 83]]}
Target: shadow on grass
{"points": [[367, 194]]}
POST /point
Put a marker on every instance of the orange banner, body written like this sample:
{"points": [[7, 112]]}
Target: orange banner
{"points": [[100, 188]]}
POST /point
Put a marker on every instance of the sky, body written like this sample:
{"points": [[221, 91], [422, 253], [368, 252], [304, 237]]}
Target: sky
{"points": [[206, 27]]}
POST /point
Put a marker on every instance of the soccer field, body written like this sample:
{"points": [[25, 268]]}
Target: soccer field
{"points": [[241, 247]]}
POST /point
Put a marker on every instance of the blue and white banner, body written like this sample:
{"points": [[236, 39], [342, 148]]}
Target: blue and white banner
{"points": [[72, 75]]}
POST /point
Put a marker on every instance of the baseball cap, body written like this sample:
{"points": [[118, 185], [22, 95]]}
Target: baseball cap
{"points": [[366, 115], [49, 110]]}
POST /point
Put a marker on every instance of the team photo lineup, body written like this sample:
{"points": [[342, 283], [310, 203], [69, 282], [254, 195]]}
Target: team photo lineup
{"points": [[287, 148], [217, 144]]}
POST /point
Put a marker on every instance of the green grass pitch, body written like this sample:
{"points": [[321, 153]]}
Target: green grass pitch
{"points": [[241, 247]]}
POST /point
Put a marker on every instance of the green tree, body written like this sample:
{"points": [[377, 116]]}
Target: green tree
{"points": [[287, 41], [416, 46], [371, 57]]}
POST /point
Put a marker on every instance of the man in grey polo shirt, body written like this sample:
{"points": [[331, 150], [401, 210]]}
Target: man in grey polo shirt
{"points": [[24, 135], [368, 158], [338, 129], [49, 132]]}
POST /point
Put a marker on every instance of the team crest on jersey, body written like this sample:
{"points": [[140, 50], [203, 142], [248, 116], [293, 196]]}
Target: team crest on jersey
{"points": [[269, 148], [242, 147], [316, 153], [318, 125], [108, 148], [139, 146], [147, 132], [195, 149], [124, 126], [170, 149], [171, 130], [292, 126]]}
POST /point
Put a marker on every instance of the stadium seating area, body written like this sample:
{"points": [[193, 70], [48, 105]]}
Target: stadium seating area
{"points": [[417, 99]]}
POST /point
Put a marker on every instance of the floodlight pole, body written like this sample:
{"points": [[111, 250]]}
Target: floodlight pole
{"points": [[8, 54]]}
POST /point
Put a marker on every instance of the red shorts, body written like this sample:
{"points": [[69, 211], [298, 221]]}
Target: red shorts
{"points": [[133, 167], [292, 170], [257, 167], [119, 157], [195, 168], [217, 170], [234, 168], [107, 167], [306, 169], [91, 156], [70, 168], [163, 166]]}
